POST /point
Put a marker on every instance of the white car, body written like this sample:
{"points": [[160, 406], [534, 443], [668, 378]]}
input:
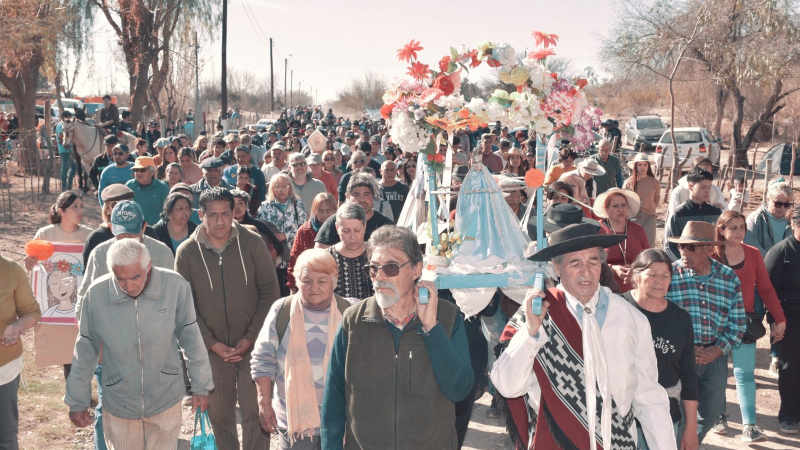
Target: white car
{"points": [[265, 122], [700, 140]]}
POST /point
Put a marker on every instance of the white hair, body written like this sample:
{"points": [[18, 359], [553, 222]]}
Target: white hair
{"points": [[127, 252], [295, 156]]}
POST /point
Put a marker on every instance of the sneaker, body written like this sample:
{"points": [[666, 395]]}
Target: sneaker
{"points": [[753, 433], [773, 368], [722, 425], [789, 427]]}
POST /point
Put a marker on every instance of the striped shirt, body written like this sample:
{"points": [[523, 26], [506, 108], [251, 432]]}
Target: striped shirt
{"points": [[715, 305]]}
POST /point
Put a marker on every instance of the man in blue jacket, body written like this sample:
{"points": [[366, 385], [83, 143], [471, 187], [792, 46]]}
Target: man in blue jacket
{"points": [[397, 365]]}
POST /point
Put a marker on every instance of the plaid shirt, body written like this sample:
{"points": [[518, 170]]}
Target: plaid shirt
{"points": [[716, 306]]}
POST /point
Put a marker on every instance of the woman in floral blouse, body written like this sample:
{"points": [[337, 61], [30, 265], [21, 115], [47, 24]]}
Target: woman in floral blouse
{"points": [[285, 210]]}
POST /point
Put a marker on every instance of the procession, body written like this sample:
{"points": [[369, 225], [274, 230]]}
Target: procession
{"points": [[517, 263]]}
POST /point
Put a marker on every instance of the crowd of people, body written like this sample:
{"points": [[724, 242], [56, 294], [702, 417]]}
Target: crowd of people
{"points": [[249, 269]]}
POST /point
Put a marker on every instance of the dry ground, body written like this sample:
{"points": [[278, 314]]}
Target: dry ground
{"points": [[43, 416]]}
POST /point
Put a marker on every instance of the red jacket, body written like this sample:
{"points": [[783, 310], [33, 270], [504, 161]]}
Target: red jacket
{"points": [[753, 275], [303, 240]]}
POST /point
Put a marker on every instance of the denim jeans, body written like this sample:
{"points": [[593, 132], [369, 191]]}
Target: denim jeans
{"points": [[744, 366], [712, 380], [68, 169], [9, 415], [492, 329], [99, 437]]}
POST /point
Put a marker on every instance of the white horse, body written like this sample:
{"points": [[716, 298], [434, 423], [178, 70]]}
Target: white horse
{"points": [[89, 141]]}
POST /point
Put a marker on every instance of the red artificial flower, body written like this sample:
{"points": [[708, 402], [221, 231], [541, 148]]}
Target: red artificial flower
{"points": [[545, 39], [409, 51], [418, 71], [430, 158], [443, 63], [581, 82], [541, 54], [439, 158], [444, 84], [493, 62], [386, 111], [473, 54]]}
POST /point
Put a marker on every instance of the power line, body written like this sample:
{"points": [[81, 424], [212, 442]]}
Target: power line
{"points": [[248, 12]]}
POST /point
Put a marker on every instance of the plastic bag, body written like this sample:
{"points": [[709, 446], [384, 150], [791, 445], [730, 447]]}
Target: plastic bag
{"points": [[205, 441]]}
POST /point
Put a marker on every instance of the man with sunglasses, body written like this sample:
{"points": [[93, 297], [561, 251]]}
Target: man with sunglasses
{"points": [[694, 209], [149, 192], [119, 173], [712, 294], [397, 365]]}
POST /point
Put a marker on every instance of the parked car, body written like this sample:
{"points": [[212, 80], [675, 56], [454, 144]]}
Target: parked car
{"points": [[92, 108], [642, 132], [701, 140], [265, 122], [261, 127]]}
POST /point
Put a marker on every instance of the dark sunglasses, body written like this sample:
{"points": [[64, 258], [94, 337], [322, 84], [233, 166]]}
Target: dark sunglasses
{"points": [[782, 204], [691, 247], [359, 161], [119, 153], [330, 159], [390, 270]]}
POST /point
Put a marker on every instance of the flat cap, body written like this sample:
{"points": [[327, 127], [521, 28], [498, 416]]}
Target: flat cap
{"points": [[116, 192], [211, 163]]}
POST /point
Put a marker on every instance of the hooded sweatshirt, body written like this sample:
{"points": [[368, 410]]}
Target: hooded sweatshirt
{"points": [[233, 287]]}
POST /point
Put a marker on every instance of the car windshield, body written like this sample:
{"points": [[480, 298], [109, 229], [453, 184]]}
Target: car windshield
{"points": [[683, 137], [649, 124]]}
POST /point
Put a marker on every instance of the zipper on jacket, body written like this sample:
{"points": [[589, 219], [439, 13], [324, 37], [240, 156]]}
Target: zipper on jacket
{"points": [[410, 356], [141, 358], [396, 376], [225, 303]]}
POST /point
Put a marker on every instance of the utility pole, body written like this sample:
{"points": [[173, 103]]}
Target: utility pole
{"points": [[198, 107], [291, 87], [224, 88], [285, 71], [271, 81]]}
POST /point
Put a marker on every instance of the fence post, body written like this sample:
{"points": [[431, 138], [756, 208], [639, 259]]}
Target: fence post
{"points": [[767, 175]]}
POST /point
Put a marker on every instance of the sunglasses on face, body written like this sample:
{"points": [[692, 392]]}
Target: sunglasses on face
{"points": [[330, 159], [390, 270], [140, 170], [300, 164], [782, 204], [691, 247], [119, 153], [359, 161]]}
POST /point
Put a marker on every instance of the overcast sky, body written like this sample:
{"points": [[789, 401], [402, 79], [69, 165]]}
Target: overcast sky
{"points": [[331, 43]]}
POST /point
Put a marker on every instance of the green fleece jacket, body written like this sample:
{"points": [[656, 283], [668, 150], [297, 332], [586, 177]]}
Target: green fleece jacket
{"points": [[234, 287]]}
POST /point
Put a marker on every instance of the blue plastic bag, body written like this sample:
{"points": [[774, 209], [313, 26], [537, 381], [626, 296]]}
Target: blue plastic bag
{"points": [[205, 441]]}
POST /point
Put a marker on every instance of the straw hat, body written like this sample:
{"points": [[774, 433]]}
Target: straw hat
{"points": [[698, 233], [640, 157], [634, 202], [590, 165], [514, 151]]}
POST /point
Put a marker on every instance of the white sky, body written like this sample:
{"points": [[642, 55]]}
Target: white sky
{"points": [[332, 43]]}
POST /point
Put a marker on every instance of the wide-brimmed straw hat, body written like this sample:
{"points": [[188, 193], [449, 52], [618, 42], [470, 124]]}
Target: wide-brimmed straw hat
{"points": [[634, 202], [590, 165], [514, 151], [575, 238], [561, 215], [697, 232], [640, 157]]}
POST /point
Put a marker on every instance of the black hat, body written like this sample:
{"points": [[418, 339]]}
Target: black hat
{"points": [[575, 238], [111, 139], [560, 215], [460, 173], [350, 135], [211, 163]]}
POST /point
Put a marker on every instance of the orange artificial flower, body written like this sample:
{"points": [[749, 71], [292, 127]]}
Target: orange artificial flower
{"points": [[386, 111], [443, 63], [545, 39], [444, 124], [463, 113], [541, 54], [409, 51], [418, 71]]}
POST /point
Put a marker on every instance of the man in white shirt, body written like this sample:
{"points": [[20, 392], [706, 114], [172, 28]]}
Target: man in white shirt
{"points": [[584, 332], [681, 192], [278, 163]]}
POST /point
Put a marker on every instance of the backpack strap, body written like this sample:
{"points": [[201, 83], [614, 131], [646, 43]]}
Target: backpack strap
{"points": [[286, 309]]}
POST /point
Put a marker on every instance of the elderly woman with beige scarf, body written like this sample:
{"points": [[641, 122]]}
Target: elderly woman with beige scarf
{"points": [[290, 357]]}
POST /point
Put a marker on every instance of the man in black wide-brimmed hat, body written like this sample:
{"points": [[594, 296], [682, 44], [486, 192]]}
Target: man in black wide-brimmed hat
{"points": [[584, 334]]}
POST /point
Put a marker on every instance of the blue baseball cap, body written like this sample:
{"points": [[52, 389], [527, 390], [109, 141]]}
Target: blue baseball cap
{"points": [[127, 217]]}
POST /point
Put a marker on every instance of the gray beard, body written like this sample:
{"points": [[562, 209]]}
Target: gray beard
{"points": [[386, 301]]}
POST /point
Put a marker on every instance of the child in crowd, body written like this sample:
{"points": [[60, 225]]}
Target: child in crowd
{"points": [[243, 183], [740, 195]]}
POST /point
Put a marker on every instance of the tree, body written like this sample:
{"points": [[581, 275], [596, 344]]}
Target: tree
{"points": [[29, 36], [744, 43], [364, 92], [146, 29]]}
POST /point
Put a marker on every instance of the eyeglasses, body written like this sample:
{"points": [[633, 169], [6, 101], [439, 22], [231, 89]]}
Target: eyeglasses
{"points": [[330, 159], [390, 270], [119, 153], [140, 170], [530, 155], [691, 247], [359, 161], [781, 204], [301, 164], [280, 188]]}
